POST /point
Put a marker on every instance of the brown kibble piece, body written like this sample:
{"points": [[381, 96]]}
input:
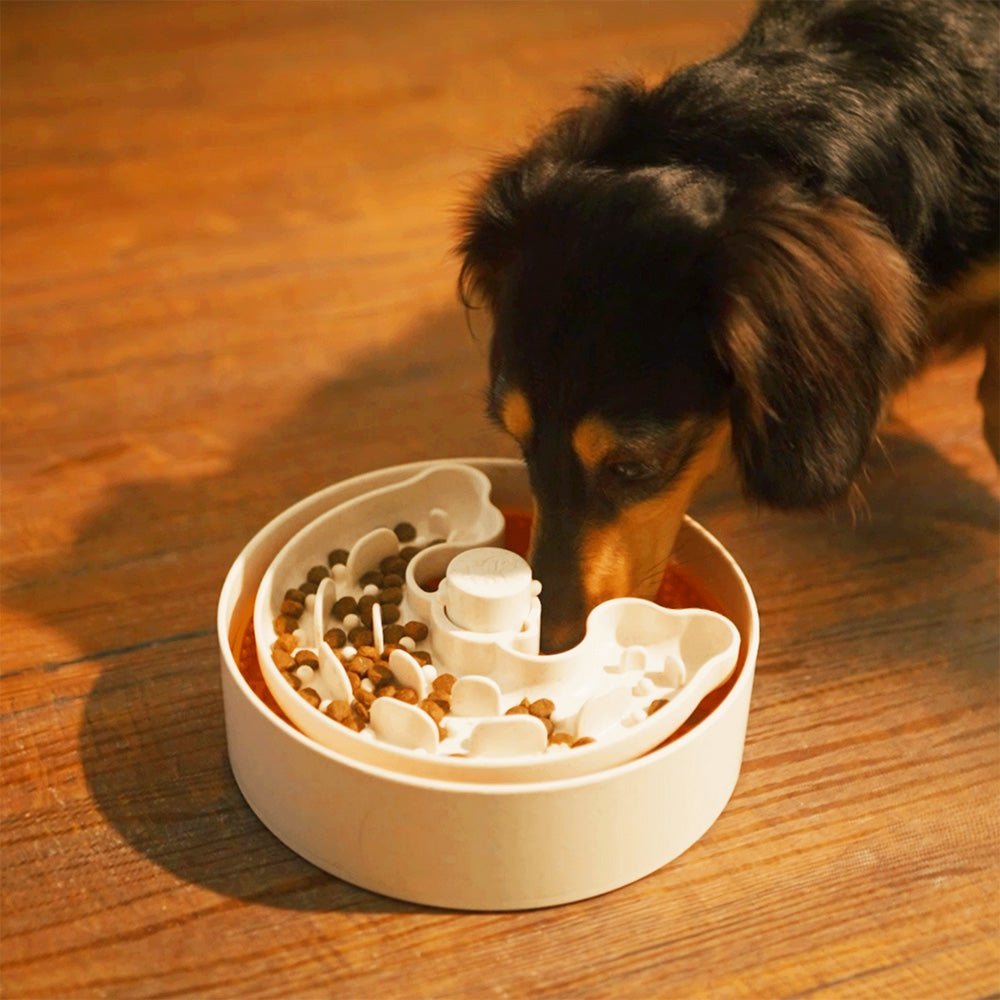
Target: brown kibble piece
{"points": [[282, 659], [405, 531], [392, 634], [361, 665], [417, 631], [317, 574], [338, 557], [309, 587], [365, 697], [360, 712], [310, 696], [393, 580], [372, 576], [379, 673], [433, 709], [344, 607], [655, 706], [291, 608], [284, 625], [387, 650], [355, 682], [291, 677], [307, 658], [443, 683], [421, 656], [386, 691], [294, 594], [365, 602], [338, 710], [287, 642], [390, 614], [583, 741], [369, 651], [517, 710], [360, 636], [542, 708], [408, 695], [336, 637], [391, 595], [564, 738], [408, 552], [394, 565]]}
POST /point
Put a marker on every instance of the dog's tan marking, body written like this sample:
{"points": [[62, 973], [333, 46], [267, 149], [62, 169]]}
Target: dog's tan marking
{"points": [[515, 415], [628, 556], [593, 440]]}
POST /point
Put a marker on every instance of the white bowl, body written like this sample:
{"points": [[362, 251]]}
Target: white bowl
{"points": [[470, 845]]}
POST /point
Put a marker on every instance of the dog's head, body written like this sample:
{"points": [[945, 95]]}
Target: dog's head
{"points": [[643, 316]]}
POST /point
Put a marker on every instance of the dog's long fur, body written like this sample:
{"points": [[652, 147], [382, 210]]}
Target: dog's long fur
{"points": [[745, 251]]}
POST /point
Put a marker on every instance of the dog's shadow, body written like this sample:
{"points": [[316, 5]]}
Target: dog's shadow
{"points": [[152, 740]]}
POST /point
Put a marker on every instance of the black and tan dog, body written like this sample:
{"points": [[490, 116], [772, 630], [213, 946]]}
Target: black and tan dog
{"points": [[755, 253]]}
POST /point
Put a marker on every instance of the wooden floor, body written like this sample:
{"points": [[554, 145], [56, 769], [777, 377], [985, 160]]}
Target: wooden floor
{"points": [[227, 284]]}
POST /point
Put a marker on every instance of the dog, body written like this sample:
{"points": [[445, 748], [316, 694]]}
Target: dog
{"points": [[752, 255]]}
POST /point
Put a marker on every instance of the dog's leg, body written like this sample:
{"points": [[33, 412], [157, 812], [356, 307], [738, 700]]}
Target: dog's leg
{"points": [[961, 318]]}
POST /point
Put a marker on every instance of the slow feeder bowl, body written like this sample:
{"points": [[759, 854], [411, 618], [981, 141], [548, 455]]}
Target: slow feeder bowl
{"points": [[480, 834]]}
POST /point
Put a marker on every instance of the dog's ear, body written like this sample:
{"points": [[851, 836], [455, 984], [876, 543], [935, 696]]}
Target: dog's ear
{"points": [[817, 326], [589, 135]]}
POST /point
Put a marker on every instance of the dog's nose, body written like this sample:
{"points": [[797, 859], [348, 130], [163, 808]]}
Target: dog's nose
{"points": [[557, 636]]}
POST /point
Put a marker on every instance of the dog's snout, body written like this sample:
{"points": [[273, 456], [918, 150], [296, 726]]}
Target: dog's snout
{"points": [[557, 636]]}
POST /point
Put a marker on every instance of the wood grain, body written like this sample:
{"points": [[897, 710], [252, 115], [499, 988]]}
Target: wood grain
{"points": [[226, 283]]}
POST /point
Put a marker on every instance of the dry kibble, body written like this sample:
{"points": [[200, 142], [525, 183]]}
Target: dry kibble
{"points": [[392, 634], [550, 726], [309, 587], [372, 576], [416, 630], [368, 651], [433, 709], [393, 580], [405, 531], [442, 699], [365, 697], [339, 711], [393, 564], [379, 673], [310, 696], [583, 741], [390, 614], [292, 608], [361, 636], [517, 710], [386, 691], [360, 711], [365, 603], [443, 683], [361, 665], [391, 595], [408, 552], [542, 708], [290, 676], [287, 642], [294, 594], [338, 557], [336, 637], [421, 656], [408, 695], [561, 738], [344, 607], [282, 659], [283, 625], [307, 658], [355, 682], [656, 705], [317, 574]]}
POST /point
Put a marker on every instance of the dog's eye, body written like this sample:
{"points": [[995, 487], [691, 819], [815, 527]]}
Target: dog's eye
{"points": [[632, 472]]}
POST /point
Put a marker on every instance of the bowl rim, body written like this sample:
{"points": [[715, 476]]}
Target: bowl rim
{"points": [[223, 629]]}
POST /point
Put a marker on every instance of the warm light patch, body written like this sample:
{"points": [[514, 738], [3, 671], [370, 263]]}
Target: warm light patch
{"points": [[628, 556], [515, 415], [593, 440]]}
